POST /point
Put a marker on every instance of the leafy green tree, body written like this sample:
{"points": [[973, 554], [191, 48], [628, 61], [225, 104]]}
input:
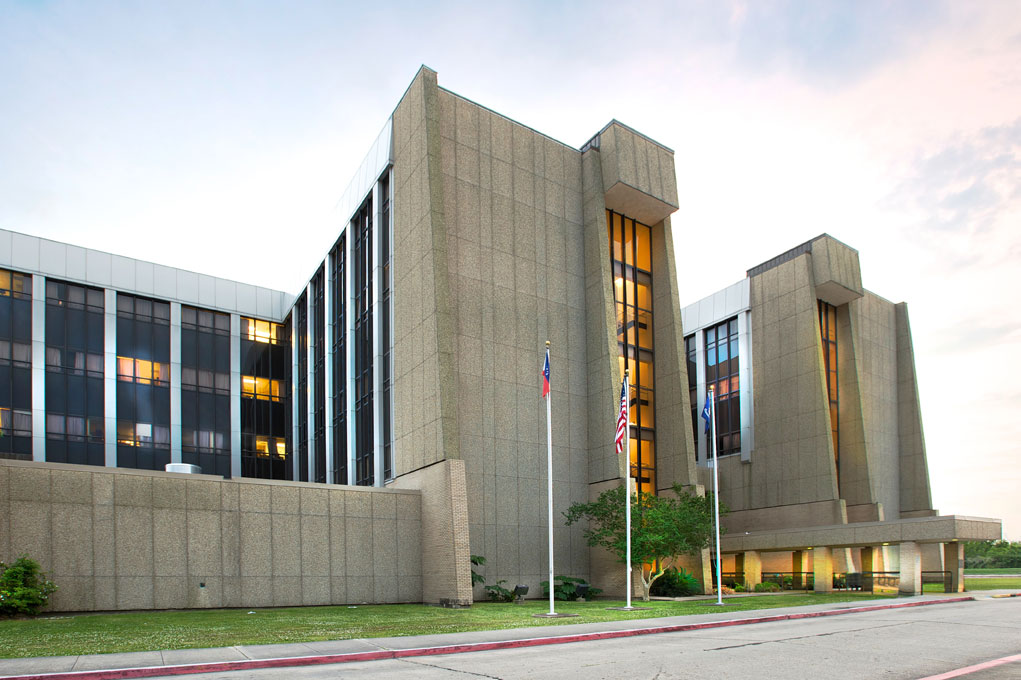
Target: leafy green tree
{"points": [[662, 528]]}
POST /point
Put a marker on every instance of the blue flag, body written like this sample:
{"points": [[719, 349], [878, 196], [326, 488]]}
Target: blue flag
{"points": [[707, 412]]}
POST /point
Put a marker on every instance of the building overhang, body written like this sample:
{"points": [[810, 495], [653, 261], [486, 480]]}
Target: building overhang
{"points": [[945, 529]]}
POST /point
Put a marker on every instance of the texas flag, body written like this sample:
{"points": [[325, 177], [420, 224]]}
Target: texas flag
{"points": [[545, 376]]}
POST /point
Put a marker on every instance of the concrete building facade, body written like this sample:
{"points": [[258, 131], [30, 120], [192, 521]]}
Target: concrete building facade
{"points": [[825, 428], [359, 440]]}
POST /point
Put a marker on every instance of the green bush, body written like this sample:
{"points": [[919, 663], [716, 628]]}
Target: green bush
{"points": [[767, 587], [477, 561], [497, 593], [566, 588], [675, 583], [24, 589]]}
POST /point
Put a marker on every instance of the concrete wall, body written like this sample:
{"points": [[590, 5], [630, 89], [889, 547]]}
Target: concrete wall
{"points": [[875, 348], [488, 265], [915, 495], [446, 567], [793, 458], [500, 244], [133, 539]]}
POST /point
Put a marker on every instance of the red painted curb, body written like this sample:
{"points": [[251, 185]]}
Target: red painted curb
{"points": [[254, 664]]}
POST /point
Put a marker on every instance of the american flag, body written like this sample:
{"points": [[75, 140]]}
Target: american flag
{"points": [[622, 418]]}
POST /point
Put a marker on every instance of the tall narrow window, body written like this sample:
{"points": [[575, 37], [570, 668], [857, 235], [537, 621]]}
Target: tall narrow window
{"points": [[691, 351], [15, 365], [301, 323], [721, 374], [631, 267], [266, 399], [143, 382], [318, 312], [828, 330], [386, 378], [362, 281], [205, 390], [75, 404], [338, 295]]}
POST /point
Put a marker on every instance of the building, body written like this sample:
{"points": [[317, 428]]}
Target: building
{"points": [[819, 431], [360, 440]]}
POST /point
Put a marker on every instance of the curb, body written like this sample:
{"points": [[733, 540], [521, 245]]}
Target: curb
{"points": [[254, 664], [1006, 595]]}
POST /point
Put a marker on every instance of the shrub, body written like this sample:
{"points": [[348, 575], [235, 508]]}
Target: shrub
{"points": [[767, 587], [24, 589], [676, 583], [497, 593], [566, 588], [477, 561]]}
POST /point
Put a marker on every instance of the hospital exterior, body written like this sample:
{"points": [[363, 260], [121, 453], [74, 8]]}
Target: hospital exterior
{"points": [[360, 440]]}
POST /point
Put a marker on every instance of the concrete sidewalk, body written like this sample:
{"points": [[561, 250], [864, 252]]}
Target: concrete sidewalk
{"points": [[186, 661]]}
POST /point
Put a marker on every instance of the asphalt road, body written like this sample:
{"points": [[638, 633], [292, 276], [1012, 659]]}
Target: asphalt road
{"points": [[901, 643]]}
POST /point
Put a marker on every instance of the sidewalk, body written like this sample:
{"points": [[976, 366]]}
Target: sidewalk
{"points": [[187, 661]]}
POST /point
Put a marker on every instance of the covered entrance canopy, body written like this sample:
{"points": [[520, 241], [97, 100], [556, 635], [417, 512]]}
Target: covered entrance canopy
{"points": [[950, 531]]}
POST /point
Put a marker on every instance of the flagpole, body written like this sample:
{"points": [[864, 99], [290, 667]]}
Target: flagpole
{"points": [[716, 499], [627, 483], [549, 484]]}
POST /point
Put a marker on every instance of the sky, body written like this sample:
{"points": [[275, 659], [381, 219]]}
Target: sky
{"points": [[193, 133]]}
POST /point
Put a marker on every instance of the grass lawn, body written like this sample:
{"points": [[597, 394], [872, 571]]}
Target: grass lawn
{"points": [[997, 570], [985, 583], [60, 635], [992, 583]]}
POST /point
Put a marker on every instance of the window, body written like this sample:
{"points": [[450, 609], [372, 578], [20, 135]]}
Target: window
{"points": [[143, 382], [691, 350], [301, 337], [362, 282], [386, 341], [205, 390], [631, 267], [338, 295], [15, 365], [75, 393], [828, 331], [318, 312], [721, 375], [265, 400]]}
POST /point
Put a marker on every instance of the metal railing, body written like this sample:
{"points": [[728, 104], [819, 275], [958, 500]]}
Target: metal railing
{"points": [[943, 577], [730, 578], [790, 580]]}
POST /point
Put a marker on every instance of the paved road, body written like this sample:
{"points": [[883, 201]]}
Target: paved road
{"points": [[902, 643]]}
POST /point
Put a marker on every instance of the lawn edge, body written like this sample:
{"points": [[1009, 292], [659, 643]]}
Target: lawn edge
{"points": [[379, 655]]}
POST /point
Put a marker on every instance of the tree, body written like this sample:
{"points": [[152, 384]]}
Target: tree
{"points": [[662, 528]]}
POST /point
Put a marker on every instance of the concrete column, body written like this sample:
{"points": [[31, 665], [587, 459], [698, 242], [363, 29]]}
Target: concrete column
{"points": [[868, 559], [38, 370], [822, 567], [235, 396], [799, 565], [176, 433], [868, 564], [953, 561], [110, 375], [744, 346], [752, 568], [910, 568], [738, 565]]}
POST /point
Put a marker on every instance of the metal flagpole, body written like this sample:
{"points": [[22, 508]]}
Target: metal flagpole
{"points": [[627, 483], [549, 484], [716, 498]]}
